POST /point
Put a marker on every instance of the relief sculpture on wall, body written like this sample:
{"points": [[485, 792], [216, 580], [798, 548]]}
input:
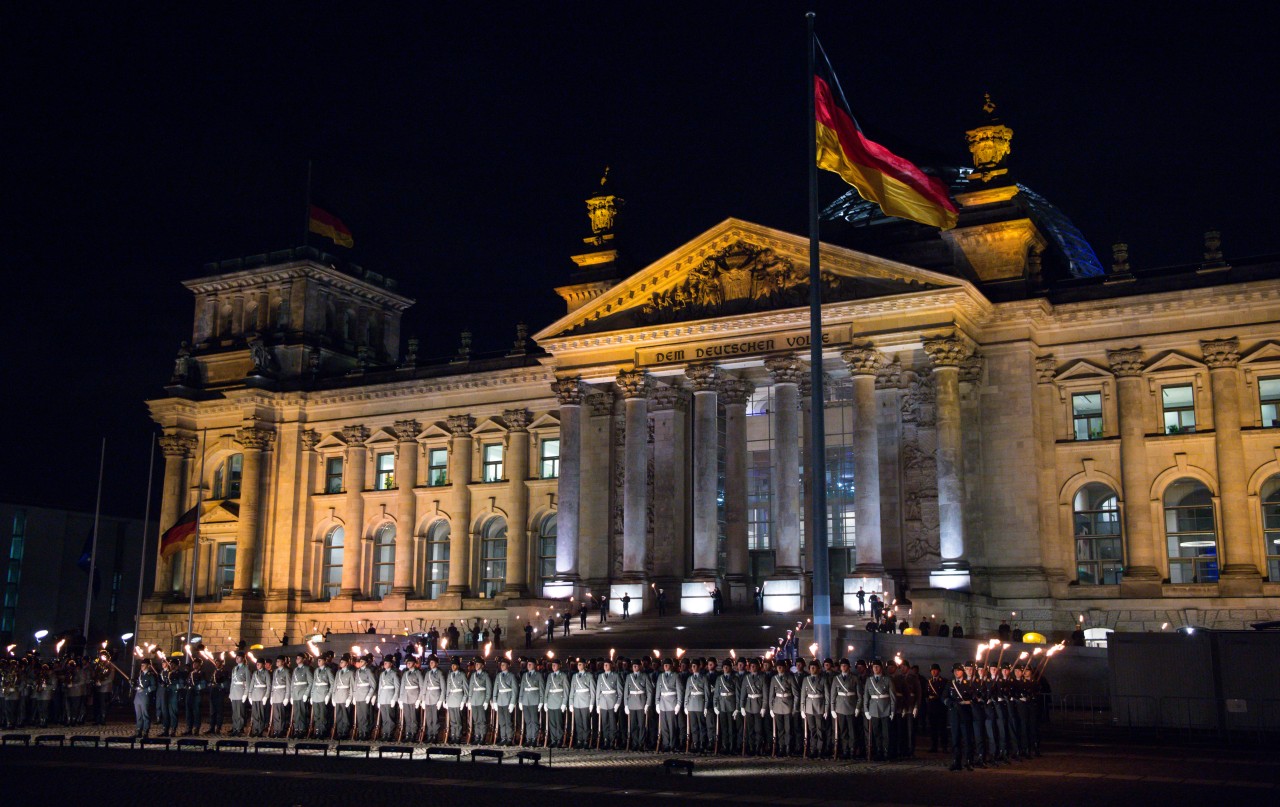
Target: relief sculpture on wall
{"points": [[919, 469]]}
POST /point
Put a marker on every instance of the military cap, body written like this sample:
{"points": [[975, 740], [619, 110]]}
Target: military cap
{"points": [[957, 666], [828, 660], [844, 662], [433, 657], [935, 667]]}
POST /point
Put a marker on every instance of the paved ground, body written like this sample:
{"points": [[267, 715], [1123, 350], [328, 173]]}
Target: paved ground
{"points": [[1068, 774]]}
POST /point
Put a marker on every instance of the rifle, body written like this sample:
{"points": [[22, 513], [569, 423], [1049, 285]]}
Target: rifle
{"points": [[743, 752], [377, 721], [546, 737], [333, 732], [835, 743], [868, 738], [288, 735], [311, 720], [271, 721], [446, 722], [471, 723], [804, 726], [400, 728], [775, 736], [572, 722]]}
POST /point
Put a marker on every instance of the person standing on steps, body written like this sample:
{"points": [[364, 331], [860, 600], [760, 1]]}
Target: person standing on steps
{"points": [[626, 606]]}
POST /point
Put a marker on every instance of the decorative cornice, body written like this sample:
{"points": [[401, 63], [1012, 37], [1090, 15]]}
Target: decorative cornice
{"points": [[310, 439], [407, 430], [947, 351], [703, 377], [1125, 362], [254, 279], [971, 368], [667, 398], [178, 445], [253, 438], [786, 369], [1221, 354], [354, 435], [1045, 369], [517, 420], [735, 391], [461, 425], [633, 383], [863, 359], [889, 375], [568, 391]]}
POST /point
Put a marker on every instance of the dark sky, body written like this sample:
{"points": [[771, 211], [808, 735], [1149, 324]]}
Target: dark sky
{"points": [[142, 141]]}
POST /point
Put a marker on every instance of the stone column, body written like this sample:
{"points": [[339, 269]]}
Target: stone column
{"points": [[786, 372], [353, 533], [1052, 555], [670, 547], [947, 353], [460, 478], [569, 496], [177, 449], [1141, 578], [406, 504], [735, 392], [254, 441], [863, 362], [1239, 569], [517, 420], [634, 385], [704, 379]]}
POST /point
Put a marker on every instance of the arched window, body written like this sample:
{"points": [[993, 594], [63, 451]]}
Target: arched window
{"points": [[384, 561], [1099, 553], [1190, 532], [493, 556], [1271, 526], [437, 549], [226, 479], [331, 563], [546, 551]]}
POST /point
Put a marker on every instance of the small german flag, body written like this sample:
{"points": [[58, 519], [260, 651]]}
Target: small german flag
{"points": [[181, 536], [330, 226], [896, 184]]}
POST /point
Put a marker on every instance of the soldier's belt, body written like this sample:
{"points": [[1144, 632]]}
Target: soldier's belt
{"points": [[753, 696], [635, 692], [815, 696], [878, 697], [555, 690]]}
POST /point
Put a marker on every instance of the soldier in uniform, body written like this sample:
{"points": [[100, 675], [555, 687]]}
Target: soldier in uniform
{"points": [[300, 695], [608, 702], [364, 691], [783, 694], [935, 712], [582, 697], [997, 701], [455, 697], [505, 693], [10, 689], [166, 699], [343, 696], [321, 696], [908, 707], [142, 691], [259, 697], [279, 698], [238, 693], [481, 689], [878, 705], [555, 703], [219, 687], [753, 706], [387, 697], [410, 699], [637, 701], [814, 706], [195, 694], [667, 696], [1008, 690], [978, 714], [959, 702], [530, 702], [104, 677], [432, 699], [698, 707], [844, 696], [77, 683], [1028, 711]]}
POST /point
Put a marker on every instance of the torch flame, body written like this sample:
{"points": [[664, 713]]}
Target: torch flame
{"points": [[978, 655], [444, 644], [357, 650], [551, 654], [1023, 655], [813, 649], [487, 647], [508, 655], [733, 654], [58, 647], [315, 651], [252, 657], [655, 652], [679, 652], [611, 652], [187, 648], [138, 652]]}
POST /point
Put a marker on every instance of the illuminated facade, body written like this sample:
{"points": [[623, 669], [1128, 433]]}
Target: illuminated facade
{"points": [[1010, 427]]}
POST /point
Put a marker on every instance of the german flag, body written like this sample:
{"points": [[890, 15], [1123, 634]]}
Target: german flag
{"points": [[896, 184], [181, 536], [330, 226]]}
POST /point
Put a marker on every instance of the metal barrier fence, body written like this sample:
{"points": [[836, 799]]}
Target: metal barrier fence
{"points": [[1187, 719]]}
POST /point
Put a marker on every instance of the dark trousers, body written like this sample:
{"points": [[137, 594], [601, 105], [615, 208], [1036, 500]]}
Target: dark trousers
{"points": [[727, 739], [342, 722], [582, 620], [1013, 728], [455, 723], [961, 719], [75, 709], [193, 710], [636, 730], [937, 716], [555, 727], [431, 722], [301, 714], [237, 716], [279, 719], [668, 730], [387, 720], [699, 731], [258, 717], [409, 718], [604, 614], [506, 724], [880, 727], [906, 735], [783, 726], [320, 719], [845, 734], [11, 712], [364, 720], [479, 725], [141, 714], [101, 700], [979, 723], [581, 727], [993, 748], [217, 705], [42, 712], [753, 727], [531, 716], [608, 728], [814, 733]]}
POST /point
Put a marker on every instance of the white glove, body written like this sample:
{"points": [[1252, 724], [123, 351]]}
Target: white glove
{"points": [[511, 708], [771, 713], [891, 716], [542, 707], [677, 710], [564, 708], [718, 710], [833, 715], [627, 710], [804, 717], [914, 710]]}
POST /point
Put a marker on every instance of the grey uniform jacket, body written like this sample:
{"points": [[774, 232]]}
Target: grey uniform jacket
{"points": [[239, 683], [556, 692], [782, 694], [322, 684], [481, 690], [343, 681], [388, 688], [608, 692], [432, 687], [531, 687], [259, 686], [638, 692], [667, 692], [813, 695], [455, 689], [845, 694], [582, 691], [411, 688], [505, 689], [280, 685], [752, 694], [364, 685], [697, 694], [877, 697], [300, 684]]}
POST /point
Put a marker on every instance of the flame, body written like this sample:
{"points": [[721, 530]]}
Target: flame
{"points": [[994, 643], [187, 649], [138, 652], [104, 645], [679, 652], [58, 647], [488, 646], [978, 655], [444, 644], [357, 650], [508, 655], [377, 648], [252, 657], [813, 649], [655, 652], [551, 654], [314, 650], [1023, 655], [1037, 651], [850, 649], [611, 652], [733, 654]]}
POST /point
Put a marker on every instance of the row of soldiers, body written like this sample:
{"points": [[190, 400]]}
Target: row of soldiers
{"points": [[38, 692], [737, 706], [993, 712]]}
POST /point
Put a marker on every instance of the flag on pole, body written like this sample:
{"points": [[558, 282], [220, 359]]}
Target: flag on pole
{"points": [[181, 536], [330, 226], [85, 561], [896, 184]]}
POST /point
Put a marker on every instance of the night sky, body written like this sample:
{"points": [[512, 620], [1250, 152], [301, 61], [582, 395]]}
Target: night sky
{"points": [[458, 147]]}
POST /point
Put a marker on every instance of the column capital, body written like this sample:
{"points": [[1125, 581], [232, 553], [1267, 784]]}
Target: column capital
{"points": [[947, 350], [1125, 362], [703, 377], [253, 438], [735, 390], [1221, 354], [407, 430], [862, 359], [177, 445], [786, 369], [889, 376], [310, 438], [668, 398], [1045, 369], [461, 425], [517, 420], [355, 435], [633, 383], [568, 391], [971, 368], [601, 405]]}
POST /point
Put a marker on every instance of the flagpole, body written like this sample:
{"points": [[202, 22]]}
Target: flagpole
{"points": [[142, 561], [306, 211], [195, 546], [817, 414], [93, 548]]}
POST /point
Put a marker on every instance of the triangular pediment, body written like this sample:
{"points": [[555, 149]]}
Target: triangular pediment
{"points": [[434, 431], [1083, 369], [224, 511], [1174, 361], [1267, 353], [737, 268], [547, 420]]}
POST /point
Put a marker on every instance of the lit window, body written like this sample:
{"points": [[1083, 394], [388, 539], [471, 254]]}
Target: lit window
{"points": [[438, 467], [1271, 526], [1190, 532], [758, 403], [1086, 414], [385, 471], [384, 561], [437, 560], [759, 489], [1179, 409], [550, 459], [1099, 555], [1269, 392], [493, 463], [226, 572], [333, 475], [226, 479], [493, 556], [547, 551], [331, 564]]}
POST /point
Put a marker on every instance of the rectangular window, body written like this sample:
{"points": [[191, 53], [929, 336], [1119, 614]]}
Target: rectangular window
{"points": [[493, 463], [1086, 414], [438, 467], [1269, 392], [235, 464], [1179, 409], [759, 484], [226, 573], [550, 459], [437, 563], [333, 475], [547, 558], [385, 471]]}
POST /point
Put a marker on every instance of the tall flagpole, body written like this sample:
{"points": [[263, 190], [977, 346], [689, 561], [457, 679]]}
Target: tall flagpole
{"points": [[142, 561], [93, 546], [817, 414], [195, 547], [306, 210]]}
